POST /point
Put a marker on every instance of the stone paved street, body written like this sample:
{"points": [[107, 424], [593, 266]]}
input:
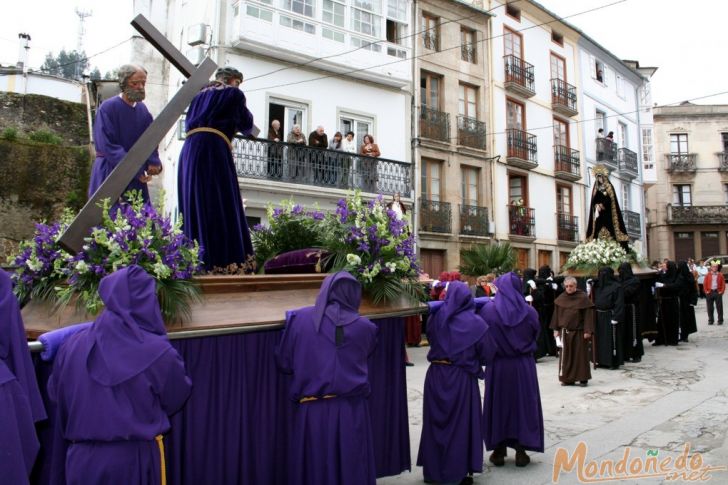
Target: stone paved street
{"points": [[676, 395]]}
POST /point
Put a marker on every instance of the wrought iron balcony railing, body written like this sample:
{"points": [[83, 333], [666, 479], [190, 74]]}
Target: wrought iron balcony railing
{"points": [[722, 161], [434, 124], [435, 216], [627, 162], [522, 149], [566, 163], [519, 75], [471, 132], [606, 151], [697, 214], [567, 227], [430, 39], [473, 220], [521, 221], [468, 53], [633, 223], [682, 162], [563, 97], [296, 164]]}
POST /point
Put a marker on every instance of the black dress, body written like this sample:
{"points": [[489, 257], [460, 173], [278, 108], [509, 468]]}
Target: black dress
{"points": [[609, 303], [632, 334]]}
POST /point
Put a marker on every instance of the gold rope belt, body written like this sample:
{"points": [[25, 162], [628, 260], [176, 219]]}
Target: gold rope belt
{"points": [[160, 443], [441, 361], [207, 129], [315, 398]]}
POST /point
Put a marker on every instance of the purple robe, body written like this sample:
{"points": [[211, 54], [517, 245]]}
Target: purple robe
{"points": [[512, 414], [117, 127], [115, 383], [207, 183], [20, 401], [325, 348], [452, 445]]}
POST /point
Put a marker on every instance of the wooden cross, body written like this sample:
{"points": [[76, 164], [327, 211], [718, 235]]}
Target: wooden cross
{"points": [[114, 185]]}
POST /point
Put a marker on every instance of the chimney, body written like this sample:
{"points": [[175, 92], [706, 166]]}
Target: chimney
{"points": [[23, 52]]}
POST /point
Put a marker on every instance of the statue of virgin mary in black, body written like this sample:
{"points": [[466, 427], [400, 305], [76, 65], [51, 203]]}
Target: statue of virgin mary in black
{"points": [[605, 216]]}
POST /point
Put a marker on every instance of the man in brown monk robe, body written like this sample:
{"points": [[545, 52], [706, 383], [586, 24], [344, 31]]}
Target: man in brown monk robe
{"points": [[573, 325]]}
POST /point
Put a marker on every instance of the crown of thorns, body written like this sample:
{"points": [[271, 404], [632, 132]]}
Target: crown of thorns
{"points": [[228, 72]]}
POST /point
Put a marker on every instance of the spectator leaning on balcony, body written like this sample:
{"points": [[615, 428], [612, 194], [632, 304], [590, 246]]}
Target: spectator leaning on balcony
{"points": [[348, 144], [369, 167], [318, 138], [295, 136], [275, 152], [610, 136], [274, 132]]}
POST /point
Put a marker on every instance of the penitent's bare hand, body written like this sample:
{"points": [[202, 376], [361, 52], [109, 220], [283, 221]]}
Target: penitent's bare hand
{"points": [[154, 169], [144, 178]]}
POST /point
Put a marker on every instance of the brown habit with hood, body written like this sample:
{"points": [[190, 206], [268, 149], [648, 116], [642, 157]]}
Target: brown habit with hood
{"points": [[573, 316]]}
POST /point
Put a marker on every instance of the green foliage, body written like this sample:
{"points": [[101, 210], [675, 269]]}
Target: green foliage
{"points": [[10, 133], [481, 259], [290, 227], [69, 65], [43, 136]]}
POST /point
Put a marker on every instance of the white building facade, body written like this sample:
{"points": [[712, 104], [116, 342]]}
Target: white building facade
{"points": [[339, 64], [611, 102]]}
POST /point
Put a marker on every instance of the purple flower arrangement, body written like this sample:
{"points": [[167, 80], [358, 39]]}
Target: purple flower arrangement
{"points": [[133, 233]]}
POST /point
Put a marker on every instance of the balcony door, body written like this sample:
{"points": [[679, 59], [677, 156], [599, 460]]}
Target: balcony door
{"points": [[518, 190], [512, 43], [679, 143], [467, 101], [431, 180], [564, 200], [558, 67], [470, 186], [561, 133], [515, 115], [430, 91], [289, 114]]}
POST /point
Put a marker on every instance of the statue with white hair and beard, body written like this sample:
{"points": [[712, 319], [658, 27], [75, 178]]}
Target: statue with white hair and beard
{"points": [[120, 121]]}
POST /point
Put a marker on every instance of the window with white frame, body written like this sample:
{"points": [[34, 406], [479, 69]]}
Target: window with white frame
{"points": [[333, 12], [334, 35], [645, 95], [599, 71], [647, 148], [360, 125], [303, 7], [297, 24], [397, 10], [620, 87], [622, 135], [366, 17], [365, 44], [259, 13], [681, 195], [626, 197]]}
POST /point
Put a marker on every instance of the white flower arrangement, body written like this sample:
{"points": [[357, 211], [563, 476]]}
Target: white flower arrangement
{"points": [[592, 255]]}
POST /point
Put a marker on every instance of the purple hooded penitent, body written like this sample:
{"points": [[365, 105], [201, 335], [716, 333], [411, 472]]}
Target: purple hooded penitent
{"points": [[115, 384], [207, 183], [325, 348], [512, 413], [20, 401], [451, 445]]}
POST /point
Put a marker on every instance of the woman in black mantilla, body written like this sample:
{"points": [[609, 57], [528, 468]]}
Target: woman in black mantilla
{"points": [[605, 216]]}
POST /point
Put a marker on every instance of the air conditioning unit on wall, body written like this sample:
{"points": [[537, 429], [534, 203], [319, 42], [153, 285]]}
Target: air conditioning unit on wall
{"points": [[197, 34]]}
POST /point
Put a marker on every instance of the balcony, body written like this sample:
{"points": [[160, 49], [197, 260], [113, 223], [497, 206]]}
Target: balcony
{"points": [[722, 161], [567, 227], [468, 53], [430, 40], [519, 76], [681, 162], [473, 220], [606, 151], [435, 216], [521, 149], [563, 97], [471, 132], [434, 124], [522, 222], [566, 163], [627, 163], [633, 223], [296, 164], [697, 214]]}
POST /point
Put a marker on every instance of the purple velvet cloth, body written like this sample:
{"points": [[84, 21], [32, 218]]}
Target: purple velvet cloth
{"points": [[117, 127], [326, 348], [208, 190], [452, 445], [512, 414], [114, 384], [295, 262], [20, 400], [234, 428], [53, 340]]}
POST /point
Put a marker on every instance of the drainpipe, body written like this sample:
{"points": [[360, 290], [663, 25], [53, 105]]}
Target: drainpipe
{"points": [[84, 87], [415, 141]]}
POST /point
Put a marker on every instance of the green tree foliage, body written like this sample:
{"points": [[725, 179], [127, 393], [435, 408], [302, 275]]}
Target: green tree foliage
{"points": [[69, 65], [481, 259]]}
